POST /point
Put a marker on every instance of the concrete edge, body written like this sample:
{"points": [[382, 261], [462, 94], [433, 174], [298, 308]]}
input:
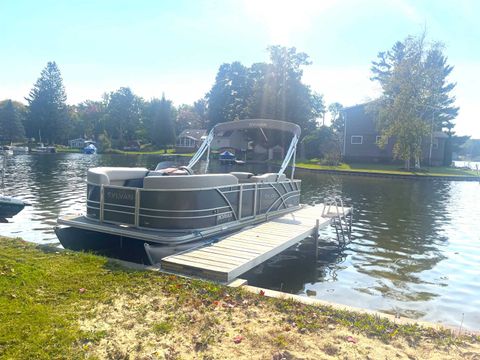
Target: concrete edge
{"points": [[394, 176]]}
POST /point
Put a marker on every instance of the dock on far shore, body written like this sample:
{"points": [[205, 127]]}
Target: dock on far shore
{"points": [[236, 254]]}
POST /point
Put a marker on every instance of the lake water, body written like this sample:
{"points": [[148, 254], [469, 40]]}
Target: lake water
{"points": [[415, 248]]}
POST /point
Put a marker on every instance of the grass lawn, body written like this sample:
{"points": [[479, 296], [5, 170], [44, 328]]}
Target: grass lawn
{"points": [[144, 152], [63, 149], [66, 305], [392, 169]]}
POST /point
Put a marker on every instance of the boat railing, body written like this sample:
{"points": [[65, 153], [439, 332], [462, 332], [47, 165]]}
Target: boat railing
{"points": [[122, 205]]}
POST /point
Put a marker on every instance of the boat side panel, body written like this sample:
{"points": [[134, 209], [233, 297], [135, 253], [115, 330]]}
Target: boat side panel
{"points": [[185, 209], [190, 209]]}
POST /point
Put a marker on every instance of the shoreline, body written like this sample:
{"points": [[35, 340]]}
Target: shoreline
{"points": [[77, 305], [390, 175]]}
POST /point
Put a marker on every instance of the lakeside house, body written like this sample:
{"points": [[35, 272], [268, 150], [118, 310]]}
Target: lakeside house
{"points": [[190, 140], [360, 141], [79, 143], [239, 143]]}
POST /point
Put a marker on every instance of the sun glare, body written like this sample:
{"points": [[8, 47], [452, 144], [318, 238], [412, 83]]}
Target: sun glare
{"points": [[282, 19]]}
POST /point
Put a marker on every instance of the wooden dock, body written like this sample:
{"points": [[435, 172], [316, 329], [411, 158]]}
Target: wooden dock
{"points": [[234, 255]]}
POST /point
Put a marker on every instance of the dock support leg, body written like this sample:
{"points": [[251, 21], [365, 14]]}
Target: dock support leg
{"points": [[315, 237]]}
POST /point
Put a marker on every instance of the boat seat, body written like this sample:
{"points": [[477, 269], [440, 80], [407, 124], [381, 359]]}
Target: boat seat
{"points": [[242, 175], [182, 182], [268, 177], [114, 175]]}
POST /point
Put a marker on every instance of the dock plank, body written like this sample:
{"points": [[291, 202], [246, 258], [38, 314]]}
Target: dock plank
{"points": [[239, 252]]}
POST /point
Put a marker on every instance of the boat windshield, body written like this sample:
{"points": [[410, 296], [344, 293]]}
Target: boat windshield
{"points": [[259, 124]]}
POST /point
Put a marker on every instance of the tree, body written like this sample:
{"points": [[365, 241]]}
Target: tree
{"points": [[160, 122], [187, 118], [322, 143], [271, 90], [123, 116], [228, 98], [89, 119], [11, 116], [200, 108], [278, 91], [47, 116], [337, 119], [415, 99]]}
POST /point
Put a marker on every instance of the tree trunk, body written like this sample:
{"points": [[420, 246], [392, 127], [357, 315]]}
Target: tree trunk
{"points": [[417, 162]]}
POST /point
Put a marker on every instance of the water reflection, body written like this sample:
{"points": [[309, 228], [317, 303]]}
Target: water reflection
{"points": [[414, 249]]}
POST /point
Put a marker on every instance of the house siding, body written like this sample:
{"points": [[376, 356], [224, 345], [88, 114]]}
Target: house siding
{"points": [[359, 122]]}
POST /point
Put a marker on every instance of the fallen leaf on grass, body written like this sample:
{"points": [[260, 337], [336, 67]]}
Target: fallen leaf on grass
{"points": [[238, 339], [351, 339]]}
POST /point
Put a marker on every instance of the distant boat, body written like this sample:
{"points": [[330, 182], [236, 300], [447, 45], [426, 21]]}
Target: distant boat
{"points": [[41, 149], [20, 150], [9, 206], [227, 158], [6, 150], [90, 149]]}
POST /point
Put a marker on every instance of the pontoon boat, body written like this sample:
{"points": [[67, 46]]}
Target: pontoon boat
{"points": [[171, 209]]}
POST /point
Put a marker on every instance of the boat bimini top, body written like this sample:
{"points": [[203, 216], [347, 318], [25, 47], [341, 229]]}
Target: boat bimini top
{"points": [[259, 124]]}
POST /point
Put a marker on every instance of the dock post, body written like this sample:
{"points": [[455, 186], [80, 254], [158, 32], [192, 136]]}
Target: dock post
{"points": [[315, 237]]}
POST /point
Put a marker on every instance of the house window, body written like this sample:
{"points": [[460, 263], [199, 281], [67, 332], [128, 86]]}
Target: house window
{"points": [[435, 144], [356, 140], [377, 140]]}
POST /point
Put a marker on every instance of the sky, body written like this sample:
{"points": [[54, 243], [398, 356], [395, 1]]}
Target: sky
{"points": [[176, 47]]}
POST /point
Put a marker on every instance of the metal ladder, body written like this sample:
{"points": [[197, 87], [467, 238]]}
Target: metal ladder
{"points": [[340, 221]]}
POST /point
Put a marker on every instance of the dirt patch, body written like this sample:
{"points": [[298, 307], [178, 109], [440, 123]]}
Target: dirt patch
{"points": [[155, 327]]}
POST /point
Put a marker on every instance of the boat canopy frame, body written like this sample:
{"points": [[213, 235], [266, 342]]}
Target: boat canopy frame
{"points": [[247, 124]]}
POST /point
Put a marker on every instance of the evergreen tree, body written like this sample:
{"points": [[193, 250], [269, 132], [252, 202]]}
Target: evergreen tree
{"points": [[47, 110], [11, 127]]}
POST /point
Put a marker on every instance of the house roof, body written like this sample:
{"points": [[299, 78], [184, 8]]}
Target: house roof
{"points": [[195, 134], [439, 134]]}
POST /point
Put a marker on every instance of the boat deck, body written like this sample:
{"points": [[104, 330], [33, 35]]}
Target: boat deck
{"points": [[234, 255]]}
